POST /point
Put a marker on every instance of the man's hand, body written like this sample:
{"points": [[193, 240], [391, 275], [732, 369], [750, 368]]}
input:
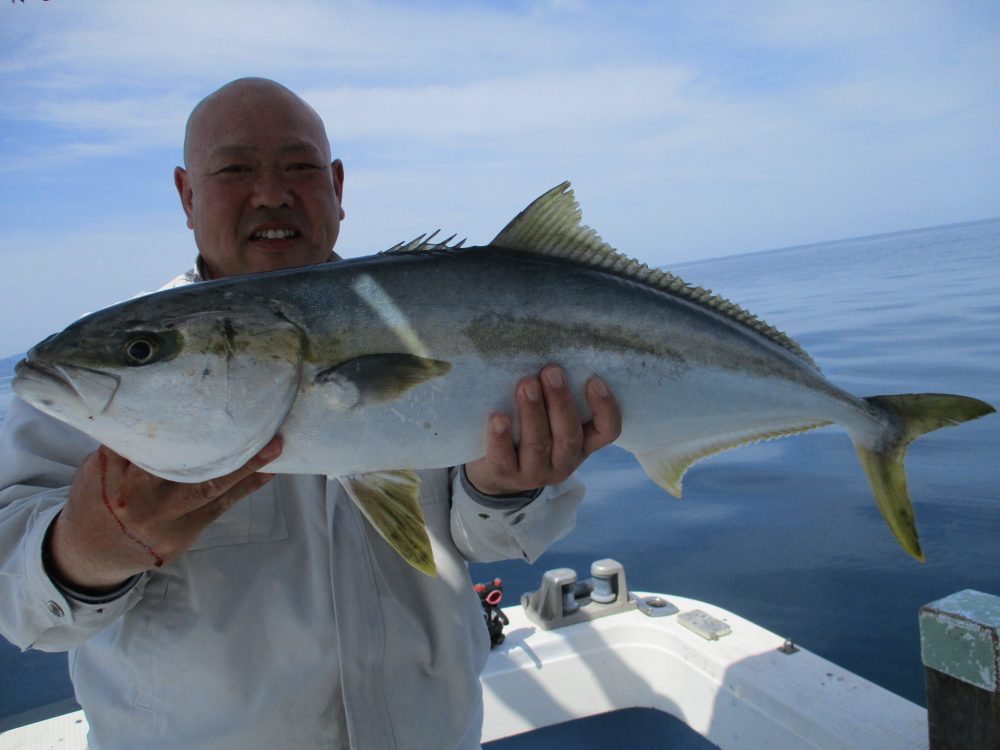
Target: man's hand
{"points": [[553, 442], [121, 520]]}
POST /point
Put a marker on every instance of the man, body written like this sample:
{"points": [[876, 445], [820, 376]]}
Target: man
{"points": [[256, 611]]}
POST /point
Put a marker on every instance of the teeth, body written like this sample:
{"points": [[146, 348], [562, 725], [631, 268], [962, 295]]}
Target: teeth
{"points": [[274, 234]]}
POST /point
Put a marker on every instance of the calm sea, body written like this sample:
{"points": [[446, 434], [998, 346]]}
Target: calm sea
{"points": [[786, 532]]}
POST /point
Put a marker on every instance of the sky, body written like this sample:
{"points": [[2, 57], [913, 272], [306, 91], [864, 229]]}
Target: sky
{"points": [[689, 130]]}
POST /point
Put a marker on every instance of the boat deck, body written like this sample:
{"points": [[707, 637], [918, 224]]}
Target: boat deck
{"points": [[740, 690]]}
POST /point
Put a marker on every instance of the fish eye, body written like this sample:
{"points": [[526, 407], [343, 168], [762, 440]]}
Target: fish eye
{"points": [[140, 350]]}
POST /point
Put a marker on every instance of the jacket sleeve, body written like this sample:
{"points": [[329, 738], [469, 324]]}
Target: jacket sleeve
{"points": [[38, 458], [486, 529]]}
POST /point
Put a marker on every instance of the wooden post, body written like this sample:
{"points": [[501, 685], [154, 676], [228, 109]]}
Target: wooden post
{"points": [[960, 646]]}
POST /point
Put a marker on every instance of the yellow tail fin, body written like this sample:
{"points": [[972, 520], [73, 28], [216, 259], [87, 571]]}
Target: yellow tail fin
{"points": [[911, 415]]}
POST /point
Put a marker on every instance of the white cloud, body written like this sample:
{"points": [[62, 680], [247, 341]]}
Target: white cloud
{"points": [[534, 105], [189, 38], [845, 25]]}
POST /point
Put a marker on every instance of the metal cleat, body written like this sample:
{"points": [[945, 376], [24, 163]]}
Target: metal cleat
{"points": [[562, 600]]}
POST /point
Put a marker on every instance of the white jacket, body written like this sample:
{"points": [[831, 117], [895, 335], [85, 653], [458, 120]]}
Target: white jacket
{"points": [[289, 623]]}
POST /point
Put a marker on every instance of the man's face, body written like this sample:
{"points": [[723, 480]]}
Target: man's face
{"points": [[260, 191]]}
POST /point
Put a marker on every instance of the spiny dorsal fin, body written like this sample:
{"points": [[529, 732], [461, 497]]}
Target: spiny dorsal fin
{"points": [[423, 244], [551, 226]]}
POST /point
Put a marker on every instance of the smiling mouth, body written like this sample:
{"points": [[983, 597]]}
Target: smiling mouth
{"points": [[275, 234]]}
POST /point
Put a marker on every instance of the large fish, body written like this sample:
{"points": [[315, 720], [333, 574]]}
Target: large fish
{"points": [[373, 367]]}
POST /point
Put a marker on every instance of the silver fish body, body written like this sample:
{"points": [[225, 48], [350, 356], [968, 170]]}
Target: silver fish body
{"points": [[395, 361], [683, 377]]}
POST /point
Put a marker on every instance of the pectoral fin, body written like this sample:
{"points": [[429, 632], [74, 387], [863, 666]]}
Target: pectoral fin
{"points": [[390, 501], [377, 378]]}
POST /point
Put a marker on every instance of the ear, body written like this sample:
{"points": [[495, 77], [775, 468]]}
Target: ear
{"points": [[183, 184], [337, 167]]}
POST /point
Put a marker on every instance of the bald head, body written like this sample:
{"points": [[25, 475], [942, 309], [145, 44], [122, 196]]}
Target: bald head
{"points": [[258, 187], [242, 97]]}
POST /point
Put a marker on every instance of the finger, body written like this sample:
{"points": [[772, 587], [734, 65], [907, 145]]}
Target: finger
{"points": [[501, 455], [534, 451], [203, 493], [606, 424], [195, 521], [497, 470], [564, 421]]}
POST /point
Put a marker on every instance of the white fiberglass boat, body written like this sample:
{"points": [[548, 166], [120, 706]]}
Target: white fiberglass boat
{"points": [[581, 648]]}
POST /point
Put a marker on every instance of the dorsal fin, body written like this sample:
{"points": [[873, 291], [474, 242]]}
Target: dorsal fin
{"points": [[551, 226], [423, 244]]}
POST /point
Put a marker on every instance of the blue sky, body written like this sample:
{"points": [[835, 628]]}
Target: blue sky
{"points": [[689, 130]]}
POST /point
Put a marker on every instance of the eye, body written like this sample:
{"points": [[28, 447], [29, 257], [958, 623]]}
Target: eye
{"points": [[140, 350], [231, 169]]}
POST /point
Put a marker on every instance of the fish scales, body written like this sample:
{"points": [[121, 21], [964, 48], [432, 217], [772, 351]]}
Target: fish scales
{"points": [[639, 340]]}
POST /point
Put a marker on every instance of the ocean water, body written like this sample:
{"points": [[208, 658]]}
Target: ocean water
{"points": [[786, 533]]}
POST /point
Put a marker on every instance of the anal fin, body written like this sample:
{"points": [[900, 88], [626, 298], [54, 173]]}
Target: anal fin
{"points": [[666, 469], [667, 464], [390, 500]]}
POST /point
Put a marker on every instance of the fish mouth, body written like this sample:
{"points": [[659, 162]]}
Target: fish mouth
{"points": [[49, 386], [27, 371]]}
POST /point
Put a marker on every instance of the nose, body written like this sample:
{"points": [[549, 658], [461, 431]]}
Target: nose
{"points": [[271, 189]]}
